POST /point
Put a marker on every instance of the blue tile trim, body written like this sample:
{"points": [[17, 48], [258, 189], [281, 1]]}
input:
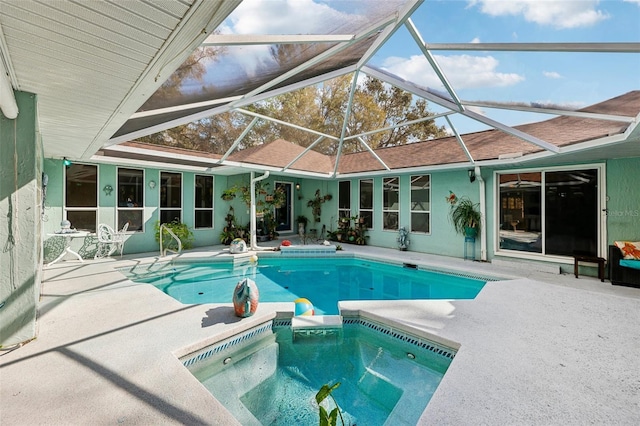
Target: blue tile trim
{"points": [[218, 347], [390, 331], [355, 321]]}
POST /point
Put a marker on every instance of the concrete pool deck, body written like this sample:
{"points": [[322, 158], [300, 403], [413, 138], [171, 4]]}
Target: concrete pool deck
{"points": [[540, 348]]}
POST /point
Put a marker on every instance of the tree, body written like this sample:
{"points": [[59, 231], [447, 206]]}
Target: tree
{"points": [[321, 108]]}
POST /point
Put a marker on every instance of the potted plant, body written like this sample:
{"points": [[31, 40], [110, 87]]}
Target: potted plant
{"points": [[229, 193], [465, 216]]}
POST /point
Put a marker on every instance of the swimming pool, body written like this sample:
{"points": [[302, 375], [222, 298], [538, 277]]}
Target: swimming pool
{"points": [[266, 376], [324, 281]]}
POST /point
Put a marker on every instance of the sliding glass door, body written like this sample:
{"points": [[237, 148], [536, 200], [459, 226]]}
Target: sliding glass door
{"points": [[554, 212]]}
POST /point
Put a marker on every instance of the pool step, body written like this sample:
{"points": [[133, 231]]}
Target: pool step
{"points": [[317, 325]]}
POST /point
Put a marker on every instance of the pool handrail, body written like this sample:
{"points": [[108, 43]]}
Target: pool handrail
{"points": [[163, 251]]}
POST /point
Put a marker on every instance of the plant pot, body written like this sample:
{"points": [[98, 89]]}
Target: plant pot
{"points": [[470, 232]]}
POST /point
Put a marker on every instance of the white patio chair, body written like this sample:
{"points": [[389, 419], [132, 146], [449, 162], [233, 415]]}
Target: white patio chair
{"points": [[110, 241]]}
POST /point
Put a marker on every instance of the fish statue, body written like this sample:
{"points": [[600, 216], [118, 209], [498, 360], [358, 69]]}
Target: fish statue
{"points": [[245, 298]]}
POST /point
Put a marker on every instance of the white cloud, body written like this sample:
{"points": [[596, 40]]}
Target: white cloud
{"points": [[559, 14], [551, 74], [287, 17], [278, 17], [633, 1], [475, 40], [462, 71]]}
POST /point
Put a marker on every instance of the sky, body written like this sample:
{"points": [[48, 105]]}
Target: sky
{"points": [[572, 80]]}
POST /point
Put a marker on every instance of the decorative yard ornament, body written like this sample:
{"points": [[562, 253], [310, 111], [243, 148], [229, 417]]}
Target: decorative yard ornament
{"points": [[403, 239], [245, 298], [238, 246]]}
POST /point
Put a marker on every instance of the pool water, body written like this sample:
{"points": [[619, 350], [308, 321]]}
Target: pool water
{"points": [[324, 281], [273, 379]]}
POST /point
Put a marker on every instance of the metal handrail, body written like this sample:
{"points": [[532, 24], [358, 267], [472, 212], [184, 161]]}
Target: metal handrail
{"points": [[163, 252]]}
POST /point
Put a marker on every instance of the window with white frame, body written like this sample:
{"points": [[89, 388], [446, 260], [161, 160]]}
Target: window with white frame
{"points": [[81, 196], [170, 197], [130, 198], [420, 203], [204, 201], [365, 210], [553, 211], [390, 203], [344, 198]]}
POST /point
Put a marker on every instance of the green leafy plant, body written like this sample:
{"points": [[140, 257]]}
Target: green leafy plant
{"points": [[465, 216], [182, 231], [316, 204], [229, 193], [326, 418]]}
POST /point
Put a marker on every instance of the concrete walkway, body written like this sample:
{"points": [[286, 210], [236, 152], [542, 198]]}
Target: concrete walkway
{"points": [[536, 349]]}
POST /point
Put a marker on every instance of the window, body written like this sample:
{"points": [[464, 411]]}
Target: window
{"points": [[390, 203], [421, 203], [81, 196], [130, 198], [170, 197], [344, 198], [204, 201], [366, 202], [552, 212]]}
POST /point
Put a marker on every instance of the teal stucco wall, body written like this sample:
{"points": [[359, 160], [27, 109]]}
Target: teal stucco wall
{"points": [[623, 193], [20, 209]]}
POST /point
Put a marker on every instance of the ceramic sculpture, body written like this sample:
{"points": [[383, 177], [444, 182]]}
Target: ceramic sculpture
{"points": [[245, 298]]}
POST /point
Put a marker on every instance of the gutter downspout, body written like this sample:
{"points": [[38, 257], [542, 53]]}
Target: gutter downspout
{"points": [[483, 212], [252, 188]]}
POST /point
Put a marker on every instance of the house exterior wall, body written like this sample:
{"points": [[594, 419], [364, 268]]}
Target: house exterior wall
{"points": [[20, 209], [140, 242], [623, 192], [622, 221]]}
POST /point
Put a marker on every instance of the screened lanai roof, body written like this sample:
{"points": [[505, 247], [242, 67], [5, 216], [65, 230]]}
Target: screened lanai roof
{"points": [[265, 49], [98, 67], [489, 147]]}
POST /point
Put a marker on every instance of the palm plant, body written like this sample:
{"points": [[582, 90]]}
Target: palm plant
{"points": [[465, 216]]}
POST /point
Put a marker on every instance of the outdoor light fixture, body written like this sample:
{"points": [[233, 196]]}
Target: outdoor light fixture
{"points": [[297, 187], [108, 189], [66, 162], [472, 176], [152, 184]]}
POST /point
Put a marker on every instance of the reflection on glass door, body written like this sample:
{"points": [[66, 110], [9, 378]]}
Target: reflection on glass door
{"points": [[560, 220], [284, 213], [571, 212], [520, 208]]}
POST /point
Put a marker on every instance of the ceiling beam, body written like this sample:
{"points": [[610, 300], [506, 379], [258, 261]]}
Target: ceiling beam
{"points": [[432, 61], [551, 109], [253, 40], [540, 47], [446, 103]]}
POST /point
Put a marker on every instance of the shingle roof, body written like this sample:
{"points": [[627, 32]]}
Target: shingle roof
{"points": [[280, 153], [485, 145]]}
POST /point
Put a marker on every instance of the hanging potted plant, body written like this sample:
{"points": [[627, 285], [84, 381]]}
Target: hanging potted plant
{"points": [[229, 193], [464, 215]]}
